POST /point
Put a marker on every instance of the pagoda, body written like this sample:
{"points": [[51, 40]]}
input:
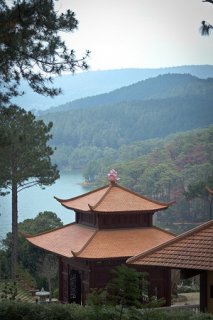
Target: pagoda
{"points": [[112, 224]]}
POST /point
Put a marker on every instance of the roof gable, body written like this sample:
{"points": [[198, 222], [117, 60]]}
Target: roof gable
{"points": [[190, 250]]}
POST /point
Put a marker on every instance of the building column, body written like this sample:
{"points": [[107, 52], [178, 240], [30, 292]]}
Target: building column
{"points": [[210, 291], [203, 291]]}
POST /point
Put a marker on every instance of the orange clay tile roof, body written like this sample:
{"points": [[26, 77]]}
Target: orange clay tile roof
{"points": [[112, 198], [123, 242], [90, 243], [190, 250], [62, 241]]}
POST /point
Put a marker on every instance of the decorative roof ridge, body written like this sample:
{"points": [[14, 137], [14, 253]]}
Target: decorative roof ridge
{"points": [[170, 242], [76, 254], [27, 235], [103, 196], [81, 195]]}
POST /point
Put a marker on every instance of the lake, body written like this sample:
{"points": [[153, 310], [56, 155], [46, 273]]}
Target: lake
{"points": [[34, 200]]}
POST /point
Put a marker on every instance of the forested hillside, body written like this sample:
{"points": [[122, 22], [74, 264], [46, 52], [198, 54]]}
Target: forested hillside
{"points": [[177, 168], [150, 109]]}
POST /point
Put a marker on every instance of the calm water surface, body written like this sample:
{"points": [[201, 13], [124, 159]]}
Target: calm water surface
{"points": [[34, 200]]}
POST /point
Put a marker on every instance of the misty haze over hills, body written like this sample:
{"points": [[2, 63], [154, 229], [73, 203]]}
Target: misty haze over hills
{"points": [[92, 83]]}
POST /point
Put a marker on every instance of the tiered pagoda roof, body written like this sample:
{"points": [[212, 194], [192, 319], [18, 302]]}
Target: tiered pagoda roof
{"points": [[117, 231]]}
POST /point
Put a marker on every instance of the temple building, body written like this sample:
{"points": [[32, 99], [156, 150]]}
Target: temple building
{"points": [[112, 224]]}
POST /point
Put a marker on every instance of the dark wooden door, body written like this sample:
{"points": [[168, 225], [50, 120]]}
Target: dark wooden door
{"points": [[74, 287]]}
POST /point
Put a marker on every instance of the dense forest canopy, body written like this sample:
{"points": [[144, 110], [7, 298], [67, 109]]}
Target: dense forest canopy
{"points": [[149, 109], [177, 168]]}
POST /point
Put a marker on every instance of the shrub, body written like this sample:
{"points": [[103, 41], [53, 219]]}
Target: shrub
{"points": [[14, 310]]}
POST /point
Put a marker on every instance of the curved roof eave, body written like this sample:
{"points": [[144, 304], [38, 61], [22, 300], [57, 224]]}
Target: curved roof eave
{"points": [[113, 198]]}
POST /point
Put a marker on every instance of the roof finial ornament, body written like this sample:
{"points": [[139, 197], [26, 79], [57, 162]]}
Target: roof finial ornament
{"points": [[113, 176]]}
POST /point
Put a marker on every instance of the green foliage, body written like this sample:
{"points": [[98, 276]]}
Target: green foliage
{"points": [[97, 297], [26, 277], [44, 221], [75, 130], [29, 311], [25, 161], [180, 165], [127, 287], [31, 46], [30, 258], [197, 189], [27, 156], [55, 294], [127, 292], [206, 27], [4, 264]]}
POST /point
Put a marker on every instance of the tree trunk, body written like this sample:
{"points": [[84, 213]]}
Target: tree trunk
{"points": [[14, 253]]}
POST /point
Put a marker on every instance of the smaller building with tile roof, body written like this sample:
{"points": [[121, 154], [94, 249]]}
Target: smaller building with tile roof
{"points": [[192, 250], [112, 224]]}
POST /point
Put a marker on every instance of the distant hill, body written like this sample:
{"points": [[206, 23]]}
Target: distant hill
{"points": [[92, 83], [161, 87], [150, 109]]}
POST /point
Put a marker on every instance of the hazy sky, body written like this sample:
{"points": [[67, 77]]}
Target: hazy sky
{"points": [[141, 33]]}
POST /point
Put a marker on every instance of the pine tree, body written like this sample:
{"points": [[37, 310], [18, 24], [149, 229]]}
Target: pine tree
{"points": [[31, 47], [25, 161], [127, 287], [206, 27]]}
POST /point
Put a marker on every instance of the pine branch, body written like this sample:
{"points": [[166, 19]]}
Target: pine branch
{"points": [[210, 1]]}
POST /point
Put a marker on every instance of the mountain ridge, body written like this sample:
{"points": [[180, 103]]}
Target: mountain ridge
{"points": [[160, 87], [91, 83]]}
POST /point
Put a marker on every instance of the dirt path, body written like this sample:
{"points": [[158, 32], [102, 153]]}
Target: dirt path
{"points": [[188, 298]]}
